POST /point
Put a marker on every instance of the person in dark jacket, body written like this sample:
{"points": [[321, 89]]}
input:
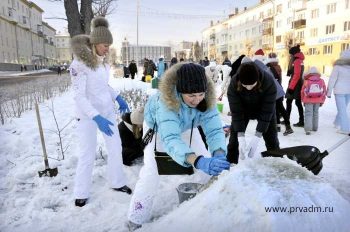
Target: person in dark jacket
{"points": [[206, 62], [295, 84], [275, 68], [173, 61], [133, 69], [227, 62], [130, 130], [251, 95]]}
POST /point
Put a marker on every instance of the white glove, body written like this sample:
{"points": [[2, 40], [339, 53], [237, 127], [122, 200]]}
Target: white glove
{"points": [[242, 147], [253, 145]]}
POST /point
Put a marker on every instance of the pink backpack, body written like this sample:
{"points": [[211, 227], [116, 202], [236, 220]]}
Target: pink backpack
{"points": [[314, 87]]}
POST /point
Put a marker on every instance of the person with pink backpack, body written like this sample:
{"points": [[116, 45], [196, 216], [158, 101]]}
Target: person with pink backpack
{"points": [[313, 95]]}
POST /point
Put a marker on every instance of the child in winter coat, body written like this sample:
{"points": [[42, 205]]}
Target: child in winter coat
{"points": [[95, 109], [131, 130], [186, 100], [313, 95]]}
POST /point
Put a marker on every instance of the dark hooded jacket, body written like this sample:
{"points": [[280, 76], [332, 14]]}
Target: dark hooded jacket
{"points": [[258, 103]]}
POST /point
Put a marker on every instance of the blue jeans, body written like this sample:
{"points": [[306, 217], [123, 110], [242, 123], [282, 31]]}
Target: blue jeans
{"points": [[342, 101]]}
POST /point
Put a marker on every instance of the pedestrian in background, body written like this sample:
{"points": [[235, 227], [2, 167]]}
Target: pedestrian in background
{"points": [[313, 95], [339, 82], [94, 109], [295, 84], [133, 69]]}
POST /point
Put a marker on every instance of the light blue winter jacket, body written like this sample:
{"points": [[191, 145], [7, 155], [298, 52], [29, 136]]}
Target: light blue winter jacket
{"points": [[173, 117], [161, 68]]}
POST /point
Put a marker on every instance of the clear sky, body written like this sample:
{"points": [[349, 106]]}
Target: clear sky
{"points": [[160, 22]]}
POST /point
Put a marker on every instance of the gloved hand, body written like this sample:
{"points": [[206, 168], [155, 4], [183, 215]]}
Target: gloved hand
{"points": [[242, 147], [123, 106], [212, 166], [103, 125], [253, 145]]}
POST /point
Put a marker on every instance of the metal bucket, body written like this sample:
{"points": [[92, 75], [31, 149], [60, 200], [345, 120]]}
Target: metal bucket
{"points": [[188, 191]]}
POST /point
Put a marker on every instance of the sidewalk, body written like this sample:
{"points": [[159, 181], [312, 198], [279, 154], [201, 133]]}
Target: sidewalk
{"points": [[6, 74]]}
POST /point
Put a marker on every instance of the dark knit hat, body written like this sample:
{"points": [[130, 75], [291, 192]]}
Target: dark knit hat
{"points": [[294, 50], [100, 32], [191, 78], [248, 73]]}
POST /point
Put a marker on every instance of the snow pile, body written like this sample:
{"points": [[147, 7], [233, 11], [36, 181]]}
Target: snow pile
{"points": [[239, 198]]}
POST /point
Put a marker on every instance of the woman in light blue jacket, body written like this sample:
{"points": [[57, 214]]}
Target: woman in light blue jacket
{"points": [[186, 100], [339, 82]]}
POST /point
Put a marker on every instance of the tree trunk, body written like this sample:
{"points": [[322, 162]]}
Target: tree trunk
{"points": [[86, 15], [73, 17]]}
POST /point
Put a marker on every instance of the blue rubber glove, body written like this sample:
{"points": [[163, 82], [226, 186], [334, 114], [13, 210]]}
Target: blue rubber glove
{"points": [[212, 166], [103, 125], [123, 106]]}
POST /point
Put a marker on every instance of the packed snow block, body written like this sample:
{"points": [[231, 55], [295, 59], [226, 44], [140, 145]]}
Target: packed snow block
{"points": [[269, 194]]}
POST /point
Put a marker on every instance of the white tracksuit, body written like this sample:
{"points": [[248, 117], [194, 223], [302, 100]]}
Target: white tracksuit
{"points": [[93, 96], [147, 185]]}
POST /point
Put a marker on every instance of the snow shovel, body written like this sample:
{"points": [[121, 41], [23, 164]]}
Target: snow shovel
{"points": [[48, 171], [307, 156]]}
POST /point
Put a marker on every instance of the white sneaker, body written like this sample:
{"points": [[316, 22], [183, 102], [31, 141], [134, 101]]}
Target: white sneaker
{"points": [[133, 226]]}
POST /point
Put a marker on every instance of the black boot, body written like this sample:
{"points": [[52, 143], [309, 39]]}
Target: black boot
{"points": [[299, 124], [124, 189], [288, 131], [80, 202]]}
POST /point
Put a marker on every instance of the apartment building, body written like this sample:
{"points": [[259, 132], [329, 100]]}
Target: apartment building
{"points": [[322, 28], [24, 38], [63, 49]]}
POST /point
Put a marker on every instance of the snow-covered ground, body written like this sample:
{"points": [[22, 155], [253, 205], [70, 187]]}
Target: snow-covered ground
{"points": [[236, 201]]}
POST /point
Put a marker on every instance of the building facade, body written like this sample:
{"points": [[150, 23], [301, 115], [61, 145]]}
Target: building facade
{"points": [[322, 28], [132, 52], [63, 49], [24, 38]]}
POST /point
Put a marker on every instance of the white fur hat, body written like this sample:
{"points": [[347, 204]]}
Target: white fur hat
{"points": [[313, 69], [136, 117]]}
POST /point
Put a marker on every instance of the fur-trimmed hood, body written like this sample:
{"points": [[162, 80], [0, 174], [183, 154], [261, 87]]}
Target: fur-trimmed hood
{"points": [[342, 61], [172, 98], [82, 50]]}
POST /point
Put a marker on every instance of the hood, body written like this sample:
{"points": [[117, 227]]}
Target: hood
{"points": [[312, 76], [344, 58], [299, 55], [171, 97], [81, 47]]}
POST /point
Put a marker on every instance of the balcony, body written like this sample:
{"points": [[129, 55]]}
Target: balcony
{"points": [[299, 24], [268, 31]]}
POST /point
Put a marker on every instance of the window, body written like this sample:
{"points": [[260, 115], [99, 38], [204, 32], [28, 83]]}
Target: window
{"points": [[289, 20], [330, 29], [346, 4], [24, 20], [279, 8], [327, 49], [278, 39], [10, 13], [331, 8], [345, 46], [347, 26], [313, 32], [312, 51], [278, 23], [300, 34], [314, 13]]}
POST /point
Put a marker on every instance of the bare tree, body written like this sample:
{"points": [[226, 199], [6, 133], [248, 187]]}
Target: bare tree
{"points": [[197, 51], [79, 21]]}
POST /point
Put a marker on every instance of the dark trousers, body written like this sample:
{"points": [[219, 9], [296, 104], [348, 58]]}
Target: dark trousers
{"points": [[300, 108], [132, 75], [270, 137], [280, 110]]}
